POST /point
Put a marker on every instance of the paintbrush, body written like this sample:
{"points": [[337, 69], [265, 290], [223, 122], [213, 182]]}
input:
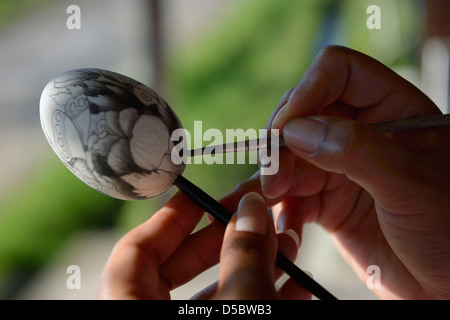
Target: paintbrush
{"points": [[383, 127]]}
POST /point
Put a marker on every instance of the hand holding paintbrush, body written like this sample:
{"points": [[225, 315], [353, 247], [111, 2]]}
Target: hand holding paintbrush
{"points": [[383, 127], [386, 205]]}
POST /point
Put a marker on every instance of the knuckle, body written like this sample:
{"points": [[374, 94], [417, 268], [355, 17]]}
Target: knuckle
{"points": [[243, 244]]}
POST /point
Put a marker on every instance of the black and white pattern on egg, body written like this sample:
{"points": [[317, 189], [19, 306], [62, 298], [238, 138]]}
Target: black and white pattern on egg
{"points": [[113, 113]]}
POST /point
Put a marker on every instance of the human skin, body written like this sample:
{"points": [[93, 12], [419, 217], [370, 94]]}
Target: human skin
{"points": [[383, 197], [163, 253]]}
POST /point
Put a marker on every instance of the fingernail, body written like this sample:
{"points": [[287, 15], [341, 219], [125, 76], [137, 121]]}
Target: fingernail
{"points": [[309, 274], [251, 215], [304, 134], [264, 163], [276, 123], [266, 179], [291, 233]]}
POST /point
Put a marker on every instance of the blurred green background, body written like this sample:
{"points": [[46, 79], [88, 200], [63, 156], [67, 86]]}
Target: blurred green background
{"points": [[228, 73]]}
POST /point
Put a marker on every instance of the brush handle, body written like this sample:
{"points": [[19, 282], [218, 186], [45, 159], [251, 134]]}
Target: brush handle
{"points": [[383, 127], [413, 123], [218, 212]]}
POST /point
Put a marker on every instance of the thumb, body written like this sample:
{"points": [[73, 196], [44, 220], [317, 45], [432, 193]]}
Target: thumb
{"points": [[248, 253], [360, 152]]}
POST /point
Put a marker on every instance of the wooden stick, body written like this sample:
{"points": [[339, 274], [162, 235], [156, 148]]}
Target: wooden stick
{"points": [[413, 123], [383, 127], [221, 214]]}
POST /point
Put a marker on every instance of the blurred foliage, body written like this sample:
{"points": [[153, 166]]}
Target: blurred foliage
{"points": [[234, 75], [230, 76], [11, 10], [37, 219], [398, 40]]}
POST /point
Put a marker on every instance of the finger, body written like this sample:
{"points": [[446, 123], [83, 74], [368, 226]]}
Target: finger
{"points": [[341, 74], [274, 185], [289, 218], [248, 253], [202, 250], [163, 233], [291, 290], [284, 99], [288, 237], [231, 200], [132, 268], [288, 244], [253, 184], [197, 253], [395, 182], [303, 202], [361, 153]]}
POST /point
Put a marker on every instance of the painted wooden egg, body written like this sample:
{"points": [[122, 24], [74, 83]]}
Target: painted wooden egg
{"points": [[112, 132]]}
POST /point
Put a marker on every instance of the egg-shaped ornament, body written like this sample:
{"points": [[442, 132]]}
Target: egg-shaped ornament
{"points": [[112, 132]]}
